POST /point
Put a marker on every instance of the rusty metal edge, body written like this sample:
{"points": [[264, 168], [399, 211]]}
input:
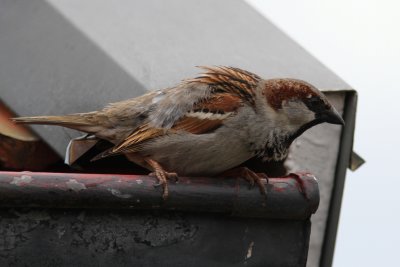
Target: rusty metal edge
{"points": [[291, 197]]}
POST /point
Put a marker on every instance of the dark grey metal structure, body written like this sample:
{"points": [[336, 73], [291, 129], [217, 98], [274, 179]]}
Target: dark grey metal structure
{"points": [[107, 238], [120, 220], [65, 56]]}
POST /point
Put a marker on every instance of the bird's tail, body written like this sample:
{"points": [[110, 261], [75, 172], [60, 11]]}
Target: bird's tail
{"points": [[73, 121]]}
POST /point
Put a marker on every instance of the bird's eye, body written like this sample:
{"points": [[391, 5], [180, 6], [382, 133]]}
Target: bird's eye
{"points": [[314, 101], [315, 104]]}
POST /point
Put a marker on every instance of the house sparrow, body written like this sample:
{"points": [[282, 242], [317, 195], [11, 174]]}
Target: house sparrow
{"points": [[207, 125]]}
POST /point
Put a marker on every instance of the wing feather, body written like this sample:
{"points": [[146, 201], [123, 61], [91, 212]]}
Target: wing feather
{"points": [[231, 80], [205, 116]]}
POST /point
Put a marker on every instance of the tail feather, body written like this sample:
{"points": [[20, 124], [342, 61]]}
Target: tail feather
{"points": [[73, 121]]}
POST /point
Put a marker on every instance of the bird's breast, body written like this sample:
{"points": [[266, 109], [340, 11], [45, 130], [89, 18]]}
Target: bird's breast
{"points": [[198, 155]]}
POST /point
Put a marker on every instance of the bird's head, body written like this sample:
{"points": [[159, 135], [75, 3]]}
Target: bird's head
{"points": [[299, 105]]}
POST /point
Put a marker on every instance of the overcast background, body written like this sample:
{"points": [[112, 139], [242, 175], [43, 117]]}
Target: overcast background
{"points": [[360, 41]]}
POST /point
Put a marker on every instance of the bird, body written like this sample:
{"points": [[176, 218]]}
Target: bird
{"points": [[207, 125]]}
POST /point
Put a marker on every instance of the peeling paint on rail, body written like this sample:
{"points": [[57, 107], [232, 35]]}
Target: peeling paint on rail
{"points": [[22, 180], [76, 186]]}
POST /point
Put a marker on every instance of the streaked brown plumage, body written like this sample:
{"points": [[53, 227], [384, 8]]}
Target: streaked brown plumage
{"points": [[206, 125]]}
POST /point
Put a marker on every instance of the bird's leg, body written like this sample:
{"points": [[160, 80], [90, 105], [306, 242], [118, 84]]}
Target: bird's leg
{"points": [[161, 175], [250, 176]]}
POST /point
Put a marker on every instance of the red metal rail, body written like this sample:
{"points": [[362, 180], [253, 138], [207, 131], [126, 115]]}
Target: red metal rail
{"points": [[285, 198]]}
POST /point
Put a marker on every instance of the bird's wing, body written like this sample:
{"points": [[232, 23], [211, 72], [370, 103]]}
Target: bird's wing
{"points": [[174, 103], [205, 116], [196, 106]]}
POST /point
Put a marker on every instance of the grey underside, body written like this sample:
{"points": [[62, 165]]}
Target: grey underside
{"points": [[66, 56]]}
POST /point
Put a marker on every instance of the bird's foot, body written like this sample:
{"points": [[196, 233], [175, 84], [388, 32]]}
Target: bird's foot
{"points": [[162, 176], [250, 176], [301, 185], [172, 176]]}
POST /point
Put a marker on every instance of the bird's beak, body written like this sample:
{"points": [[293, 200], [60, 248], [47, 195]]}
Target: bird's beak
{"points": [[332, 116]]}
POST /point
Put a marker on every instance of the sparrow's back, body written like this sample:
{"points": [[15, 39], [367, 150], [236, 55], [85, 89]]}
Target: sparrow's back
{"points": [[160, 109], [157, 109]]}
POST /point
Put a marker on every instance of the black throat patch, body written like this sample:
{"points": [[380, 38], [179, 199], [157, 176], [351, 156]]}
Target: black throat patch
{"points": [[275, 148]]}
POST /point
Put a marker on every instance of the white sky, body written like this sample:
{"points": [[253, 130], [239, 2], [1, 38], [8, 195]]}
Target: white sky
{"points": [[360, 41]]}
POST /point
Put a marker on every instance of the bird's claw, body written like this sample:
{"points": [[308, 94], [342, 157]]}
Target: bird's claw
{"points": [[162, 181], [162, 176], [302, 187], [263, 175], [255, 179], [172, 176], [250, 176]]}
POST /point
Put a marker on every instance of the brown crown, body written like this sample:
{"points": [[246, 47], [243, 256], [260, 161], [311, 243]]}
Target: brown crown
{"points": [[279, 90]]}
